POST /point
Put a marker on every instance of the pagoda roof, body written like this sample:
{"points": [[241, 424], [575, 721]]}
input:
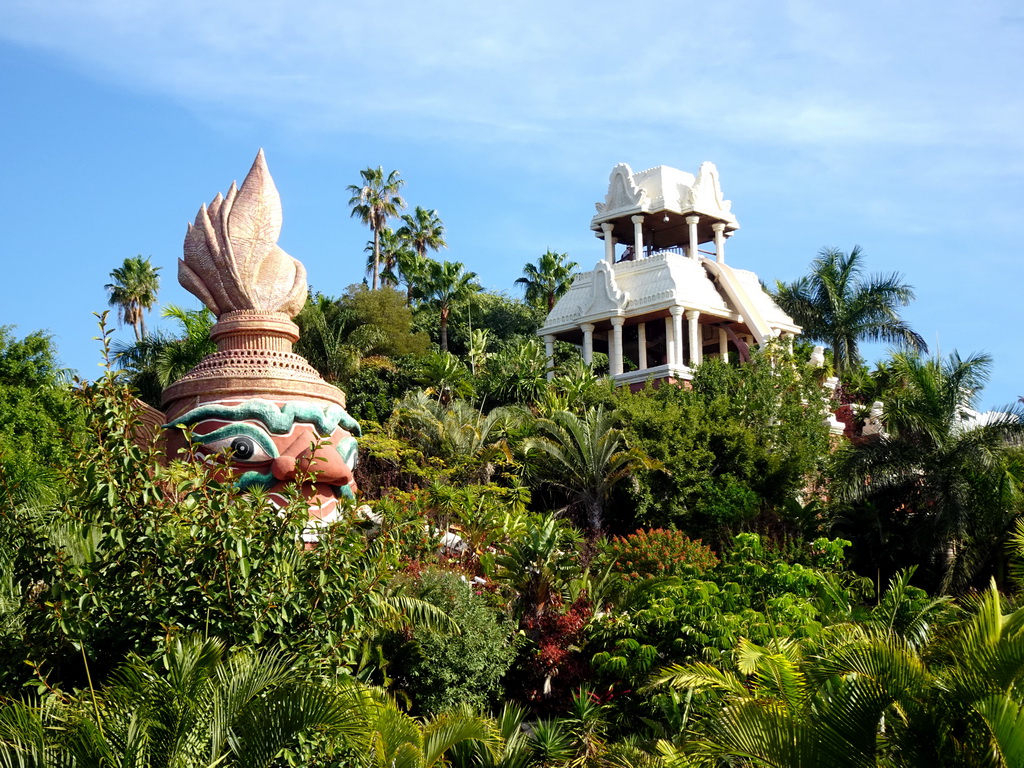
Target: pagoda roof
{"points": [[654, 285], [664, 189]]}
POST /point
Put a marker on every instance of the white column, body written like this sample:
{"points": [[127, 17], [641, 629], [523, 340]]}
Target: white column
{"points": [[615, 358], [723, 344], [641, 342], [677, 335], [670, 342], [588, 342], [609, 242], [692, 316], [692, 221], [638, 236], [719, 229], [549, 349]]}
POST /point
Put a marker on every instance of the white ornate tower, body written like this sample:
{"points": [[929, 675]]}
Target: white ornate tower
{"points": [[657, 303]]}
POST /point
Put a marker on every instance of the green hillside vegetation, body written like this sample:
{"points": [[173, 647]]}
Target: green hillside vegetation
{"points": [[669, 578]]}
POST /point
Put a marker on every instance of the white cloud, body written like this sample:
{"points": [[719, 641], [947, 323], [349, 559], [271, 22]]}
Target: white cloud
{"points": [[804, 74]]}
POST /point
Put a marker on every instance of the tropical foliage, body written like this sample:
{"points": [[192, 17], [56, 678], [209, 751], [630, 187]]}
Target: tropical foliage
{"points": [[867, 694], [940, 479], [538, 571], [586, 456]]}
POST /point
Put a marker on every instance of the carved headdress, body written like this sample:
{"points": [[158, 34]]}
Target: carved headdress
{"points": [[235, 267]]}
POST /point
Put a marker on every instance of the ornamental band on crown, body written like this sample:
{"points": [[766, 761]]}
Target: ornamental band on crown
{"points": [[254, 395]]}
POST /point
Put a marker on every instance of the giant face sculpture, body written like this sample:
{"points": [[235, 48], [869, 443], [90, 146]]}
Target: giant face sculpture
{"points": [[270, 444], [254, 397]]}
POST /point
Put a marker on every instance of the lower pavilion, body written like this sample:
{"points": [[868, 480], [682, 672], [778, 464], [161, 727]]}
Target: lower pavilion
{"points": [[658, 304]]}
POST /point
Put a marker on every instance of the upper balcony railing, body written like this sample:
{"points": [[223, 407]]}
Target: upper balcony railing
{"points": [[628, 254]]}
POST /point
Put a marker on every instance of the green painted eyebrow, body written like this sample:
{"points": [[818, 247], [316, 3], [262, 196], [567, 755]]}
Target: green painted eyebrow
{"points": [[234, 430], [278, 419]]}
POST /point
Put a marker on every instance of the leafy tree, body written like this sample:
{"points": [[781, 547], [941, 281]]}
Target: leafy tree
{"points": [[754, 592], [386, 309], [445, 285], [836, 305], [40, 422], [137, 552], [373, 202], [324, 330], [548, 280], [371, 392], [949, 485], [587, 456], [741, 443], [353, 341], [133, 292], [506, 320]]}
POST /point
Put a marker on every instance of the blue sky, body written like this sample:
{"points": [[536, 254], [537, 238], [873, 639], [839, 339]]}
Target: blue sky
{"points": [[898, 126]]}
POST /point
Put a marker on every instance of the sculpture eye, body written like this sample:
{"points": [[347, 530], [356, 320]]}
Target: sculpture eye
{"points": [[244, 448], [247, 448]]}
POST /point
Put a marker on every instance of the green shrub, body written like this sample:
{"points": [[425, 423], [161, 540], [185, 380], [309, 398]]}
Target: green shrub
{"points": [[444, 670], [753, 593]]}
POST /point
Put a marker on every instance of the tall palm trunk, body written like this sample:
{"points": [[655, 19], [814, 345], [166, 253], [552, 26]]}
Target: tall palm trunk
{"points": [[376, 258], [444, 328]]}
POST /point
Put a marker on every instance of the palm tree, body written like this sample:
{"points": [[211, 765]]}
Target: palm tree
{"points": [[589, 458], [423, 231], [548, 279], [204, 709], [836, 305], [445, 284], [395, 254], [335, 348], [158, 360], [373, 202], [516, 374], [539, 564], [946, 475], [393, 739], [455, 430], [133, 292]]}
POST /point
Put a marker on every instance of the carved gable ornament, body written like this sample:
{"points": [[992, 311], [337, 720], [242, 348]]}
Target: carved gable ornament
{"points": [[623, 191], [608, 298], [705, 195]]}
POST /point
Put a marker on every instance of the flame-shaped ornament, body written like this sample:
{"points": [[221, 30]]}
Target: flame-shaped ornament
{"points": [[232, 260]]}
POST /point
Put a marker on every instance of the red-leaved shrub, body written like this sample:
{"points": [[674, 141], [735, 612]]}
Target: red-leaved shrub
{"points": [[659, 552]]}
